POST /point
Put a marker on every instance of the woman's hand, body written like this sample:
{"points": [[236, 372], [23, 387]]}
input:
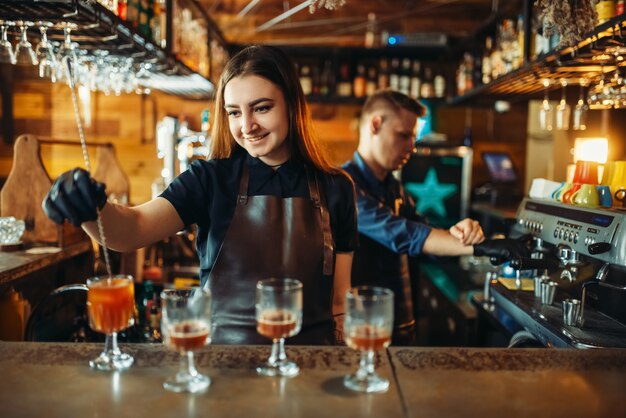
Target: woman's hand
{"points": [[74, 196]]}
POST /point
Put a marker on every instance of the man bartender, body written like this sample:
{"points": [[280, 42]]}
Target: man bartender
{"points": [[389, 228]]}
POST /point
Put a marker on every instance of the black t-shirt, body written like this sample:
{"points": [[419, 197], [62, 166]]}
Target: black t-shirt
{"points": [[206, 195]]}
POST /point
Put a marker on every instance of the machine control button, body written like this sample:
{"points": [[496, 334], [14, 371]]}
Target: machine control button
{"points": [[576, 236], [556, 233]]}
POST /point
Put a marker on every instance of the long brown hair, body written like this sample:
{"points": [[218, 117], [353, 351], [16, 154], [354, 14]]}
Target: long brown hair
{"points": [[274, 65]]}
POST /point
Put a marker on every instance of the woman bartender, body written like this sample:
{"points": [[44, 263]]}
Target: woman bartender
{"points": [[267, 204]]}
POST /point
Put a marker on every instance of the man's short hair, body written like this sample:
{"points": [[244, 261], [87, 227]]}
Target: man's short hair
{"points": [[394, 101]]}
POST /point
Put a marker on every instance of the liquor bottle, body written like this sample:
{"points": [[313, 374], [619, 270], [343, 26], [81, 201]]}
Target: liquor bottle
{"points": [[359, 81], [383, 74], [315, 80], [605, 10], [145, 12], [370, 31], [305, 80], [155, 321], [521, 47], [405, 76], [416, 81], [486, 61], [122, 9], [132, 12], [468, 68], [427, 90], [394, 74], [371, 83], [440, 85], [344, 85], [619, 7], [326, 79]]}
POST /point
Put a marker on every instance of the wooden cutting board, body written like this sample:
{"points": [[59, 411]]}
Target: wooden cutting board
{"points": [[24, 190], [109, 171]]}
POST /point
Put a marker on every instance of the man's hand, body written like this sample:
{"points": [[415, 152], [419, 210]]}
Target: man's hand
{"points": [[501, 250], [468, 232], [74, 196]]}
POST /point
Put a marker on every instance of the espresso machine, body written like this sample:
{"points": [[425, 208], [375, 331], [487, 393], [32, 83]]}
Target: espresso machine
{"points": [[582, 252]]}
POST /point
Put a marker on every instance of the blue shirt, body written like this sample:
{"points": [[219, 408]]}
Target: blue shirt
{"points": [[386, 214], [206, 195]]}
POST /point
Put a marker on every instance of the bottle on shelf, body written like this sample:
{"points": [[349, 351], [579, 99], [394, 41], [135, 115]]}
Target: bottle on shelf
{"points": [[383, 74], [359, 81], [405, 76], [439, 85], [394, 74], [486, 61], [619, 7], [605, 10], [370, 31], [326, 78], [416, 80], [427, 89], [305, 80], [144, 21], [122, 8], [371, 83], [132, 12], [344, 85]]}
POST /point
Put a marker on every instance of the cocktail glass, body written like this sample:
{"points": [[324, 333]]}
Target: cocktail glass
{"points": [[278, 316], [368, 327], [111, 309]]}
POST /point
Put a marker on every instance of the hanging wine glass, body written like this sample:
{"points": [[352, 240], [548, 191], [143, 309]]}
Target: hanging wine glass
{"points": [[67, 49], [563, 110], [546, 112], [580, 110], [45, 54], [7, 55], [24, 54]]}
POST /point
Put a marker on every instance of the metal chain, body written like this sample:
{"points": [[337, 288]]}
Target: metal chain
{"points": [[83, 143]]}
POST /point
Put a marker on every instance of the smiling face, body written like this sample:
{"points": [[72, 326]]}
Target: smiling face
{"points": [[258, 117]]}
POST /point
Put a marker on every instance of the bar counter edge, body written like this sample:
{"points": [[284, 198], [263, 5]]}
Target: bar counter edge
{"points": [[54, 379]]}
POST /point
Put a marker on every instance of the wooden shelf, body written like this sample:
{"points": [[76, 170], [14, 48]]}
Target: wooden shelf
{"points": [[587, 60]]}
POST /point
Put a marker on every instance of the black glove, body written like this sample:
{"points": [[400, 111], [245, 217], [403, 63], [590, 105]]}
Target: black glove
{"points": [[501, 250], [74, 196]]}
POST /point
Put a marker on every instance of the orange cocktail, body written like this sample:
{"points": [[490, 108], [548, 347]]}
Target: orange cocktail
{"points": [[111, 303]]}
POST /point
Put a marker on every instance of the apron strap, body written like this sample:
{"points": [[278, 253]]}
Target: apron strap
{"points": [[242, 197], [317, 197]]}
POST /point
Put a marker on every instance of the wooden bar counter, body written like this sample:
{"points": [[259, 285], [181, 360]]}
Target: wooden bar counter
{"points": [[54, 380]]}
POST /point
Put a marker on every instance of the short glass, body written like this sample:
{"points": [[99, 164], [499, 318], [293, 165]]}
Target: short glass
{"points": [[186, 327], [368, 327], [111, 309], [279, 316]]}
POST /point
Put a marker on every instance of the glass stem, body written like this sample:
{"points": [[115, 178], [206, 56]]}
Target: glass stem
{"points": [[110, 344], [278, 351], [187, 365], [366, 364]]}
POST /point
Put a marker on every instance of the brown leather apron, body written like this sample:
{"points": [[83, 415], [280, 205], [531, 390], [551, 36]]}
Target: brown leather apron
{"points": [[274, 237]]}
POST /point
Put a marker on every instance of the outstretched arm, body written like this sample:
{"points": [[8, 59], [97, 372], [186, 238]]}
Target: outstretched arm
{"points": [[76, 197]]}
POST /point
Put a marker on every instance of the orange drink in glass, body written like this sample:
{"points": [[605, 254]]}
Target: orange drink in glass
{"points": [[111, 307]]}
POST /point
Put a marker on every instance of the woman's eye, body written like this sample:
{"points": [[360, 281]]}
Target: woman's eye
{"points": [[233, 113], [262, 109]]}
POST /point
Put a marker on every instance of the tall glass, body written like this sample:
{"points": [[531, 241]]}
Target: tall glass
{"points": [[278, 316], [111, 308], [368, 327], [186, 327]]}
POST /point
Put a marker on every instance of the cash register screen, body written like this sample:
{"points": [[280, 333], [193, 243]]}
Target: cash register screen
{"points": [[500, 167]]}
